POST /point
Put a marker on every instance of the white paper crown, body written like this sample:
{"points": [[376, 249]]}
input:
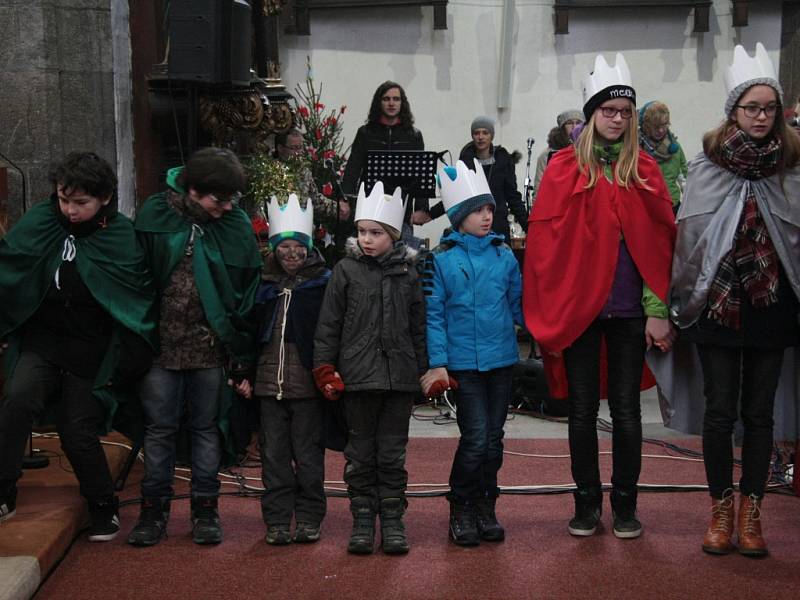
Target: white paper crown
{"points": [[381, 207], [290, 218], [467, 184], [746, 68], [604, 76]]}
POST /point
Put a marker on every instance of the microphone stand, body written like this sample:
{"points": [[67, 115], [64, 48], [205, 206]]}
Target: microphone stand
{"points": [[528, 187]]}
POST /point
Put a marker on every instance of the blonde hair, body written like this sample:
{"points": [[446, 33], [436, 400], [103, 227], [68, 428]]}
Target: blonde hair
{"points": [[627, 167]]}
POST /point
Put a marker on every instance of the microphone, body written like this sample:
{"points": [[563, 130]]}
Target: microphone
{"points": [[531, 142]]}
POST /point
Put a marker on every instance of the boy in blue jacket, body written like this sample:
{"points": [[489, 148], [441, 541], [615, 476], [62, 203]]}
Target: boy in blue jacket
{"points": [[473, 292]]}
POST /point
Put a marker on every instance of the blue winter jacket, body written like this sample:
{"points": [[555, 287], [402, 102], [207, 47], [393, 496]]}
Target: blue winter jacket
{"points": [[473, 293]]}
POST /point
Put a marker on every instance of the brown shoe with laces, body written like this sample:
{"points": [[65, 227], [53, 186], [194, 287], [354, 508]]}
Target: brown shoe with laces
{"points": [[717, 539], [751, 542]]}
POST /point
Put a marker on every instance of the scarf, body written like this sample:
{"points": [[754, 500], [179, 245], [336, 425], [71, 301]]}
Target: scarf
{"points": [[608, 155], [752, 264], [663, 150]]}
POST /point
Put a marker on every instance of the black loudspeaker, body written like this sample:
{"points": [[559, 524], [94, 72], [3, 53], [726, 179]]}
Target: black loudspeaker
{"points": [[210, 41]]}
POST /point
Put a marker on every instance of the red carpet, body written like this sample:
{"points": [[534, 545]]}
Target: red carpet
{"points": [[538, 560]]}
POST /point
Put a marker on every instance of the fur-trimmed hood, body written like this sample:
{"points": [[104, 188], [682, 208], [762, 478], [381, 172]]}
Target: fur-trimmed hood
{"points": [[400, 251]]}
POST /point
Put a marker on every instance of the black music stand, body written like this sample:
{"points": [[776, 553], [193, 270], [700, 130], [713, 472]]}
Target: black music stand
{"points": [[413, 171]]}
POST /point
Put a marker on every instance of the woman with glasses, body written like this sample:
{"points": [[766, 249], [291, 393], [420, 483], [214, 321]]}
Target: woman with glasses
{"points": [[656, 138], [735, 286], [206, 266], [600, 244]]}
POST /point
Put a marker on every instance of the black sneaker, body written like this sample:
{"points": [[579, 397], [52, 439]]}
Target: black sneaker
{"points": [[588, 508], [8, 506], [206, 528], [463, 524], [306, 533], [152, 523], [278, 535], [623, 509], [105, 519], [489, 527]]}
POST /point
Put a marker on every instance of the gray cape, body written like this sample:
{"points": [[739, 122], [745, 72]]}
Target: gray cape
{"points": [[707, 221]]}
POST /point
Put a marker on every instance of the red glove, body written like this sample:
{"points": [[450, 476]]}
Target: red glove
{"points": [[440, 387], [326, 375]]}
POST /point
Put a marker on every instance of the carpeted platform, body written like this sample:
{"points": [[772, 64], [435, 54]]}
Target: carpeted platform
{"points": [[50, 514], [538, 559]]}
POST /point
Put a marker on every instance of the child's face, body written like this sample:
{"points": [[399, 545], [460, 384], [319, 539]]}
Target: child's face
{"points": [[77, 205], [478, 222], [216, 205], [373, 238], [291, 255]]}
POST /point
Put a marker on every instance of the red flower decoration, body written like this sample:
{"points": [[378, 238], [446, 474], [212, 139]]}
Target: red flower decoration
{"points": [[318, 134], [303, 112], [312, 153], [260, 227], [319, 106], [329, 154], [327, 189], [321, 232]]}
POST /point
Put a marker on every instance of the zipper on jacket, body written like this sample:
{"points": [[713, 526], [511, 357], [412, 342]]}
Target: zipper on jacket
{"points": [[381, 349], [464, 272]]}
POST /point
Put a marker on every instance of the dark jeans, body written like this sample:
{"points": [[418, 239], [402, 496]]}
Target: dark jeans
{"points": [[730, 375], [625, 345], [482, 402], [165, 395], [377, 436], [79, 420], [292, 460]]}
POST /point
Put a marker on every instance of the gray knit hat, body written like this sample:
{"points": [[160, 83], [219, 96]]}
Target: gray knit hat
{"points": [[739, 90], [482, 122], [573, 114]]}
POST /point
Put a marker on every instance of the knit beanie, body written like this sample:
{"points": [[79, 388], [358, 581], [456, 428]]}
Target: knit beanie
{"points": [[482, 122], [739, 90], [652, 115], [572, 114]]}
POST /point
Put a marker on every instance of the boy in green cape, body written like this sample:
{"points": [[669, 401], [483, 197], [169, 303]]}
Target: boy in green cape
{"points": [[77, 322]]}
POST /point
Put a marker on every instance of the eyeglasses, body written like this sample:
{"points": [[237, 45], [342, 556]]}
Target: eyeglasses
{"points": [[292, 251], [609, 112], [754, 110], [233, 198]]}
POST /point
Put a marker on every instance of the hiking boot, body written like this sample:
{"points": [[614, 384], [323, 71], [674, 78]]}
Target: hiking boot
{"points": [[393, 531], [623, 510], [8, 504], [278, 535], [751, 542], [152, 524], [362, 538], [104, 515], [206, 528], [489, 528], [717, 539], [306, 533], [588, 508], [463, 524]]}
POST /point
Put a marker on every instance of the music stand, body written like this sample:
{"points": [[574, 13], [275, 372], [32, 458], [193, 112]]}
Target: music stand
{"points": [[413, 171]]}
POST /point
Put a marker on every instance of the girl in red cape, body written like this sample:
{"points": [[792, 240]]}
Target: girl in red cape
{"points": [[597, 267]]}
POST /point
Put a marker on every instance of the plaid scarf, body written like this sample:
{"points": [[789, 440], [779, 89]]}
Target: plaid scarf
{"points": [[663, 150], [752, 264]]}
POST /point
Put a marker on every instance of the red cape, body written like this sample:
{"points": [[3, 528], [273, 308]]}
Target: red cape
{"points": [[573, 241]]}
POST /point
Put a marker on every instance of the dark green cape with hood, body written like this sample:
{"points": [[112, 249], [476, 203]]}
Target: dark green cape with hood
{"points": [[111, 264]]}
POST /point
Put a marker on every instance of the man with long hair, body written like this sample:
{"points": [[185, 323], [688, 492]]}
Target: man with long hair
{"points": [[389, 126]]}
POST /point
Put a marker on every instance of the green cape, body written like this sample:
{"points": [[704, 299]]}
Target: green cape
{"points": [[109, 261]]}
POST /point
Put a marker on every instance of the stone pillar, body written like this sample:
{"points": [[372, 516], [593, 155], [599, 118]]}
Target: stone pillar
{"points": [[56, 88], [790, 53]]}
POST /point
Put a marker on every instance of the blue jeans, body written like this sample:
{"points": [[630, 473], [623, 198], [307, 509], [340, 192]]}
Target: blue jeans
{"points": [[165, 394], [482, 402]]}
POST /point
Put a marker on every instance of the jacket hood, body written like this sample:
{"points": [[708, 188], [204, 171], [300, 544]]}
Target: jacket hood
{"points": [[471, 241]]}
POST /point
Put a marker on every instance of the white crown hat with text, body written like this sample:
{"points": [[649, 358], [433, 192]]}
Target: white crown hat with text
{"points": [[459, 183], [604, 76], [381, 207]]}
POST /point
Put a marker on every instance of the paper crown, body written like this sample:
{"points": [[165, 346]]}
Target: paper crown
{"points": [[746, 68], [604, 76], [290, 221], [459, 184], [381, 207]]}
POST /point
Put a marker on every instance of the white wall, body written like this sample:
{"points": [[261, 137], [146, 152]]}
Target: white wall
{"points": [[450, 76]]}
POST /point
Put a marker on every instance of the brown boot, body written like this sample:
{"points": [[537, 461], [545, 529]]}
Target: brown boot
{"points": [[718, 535], [751, 543]]}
